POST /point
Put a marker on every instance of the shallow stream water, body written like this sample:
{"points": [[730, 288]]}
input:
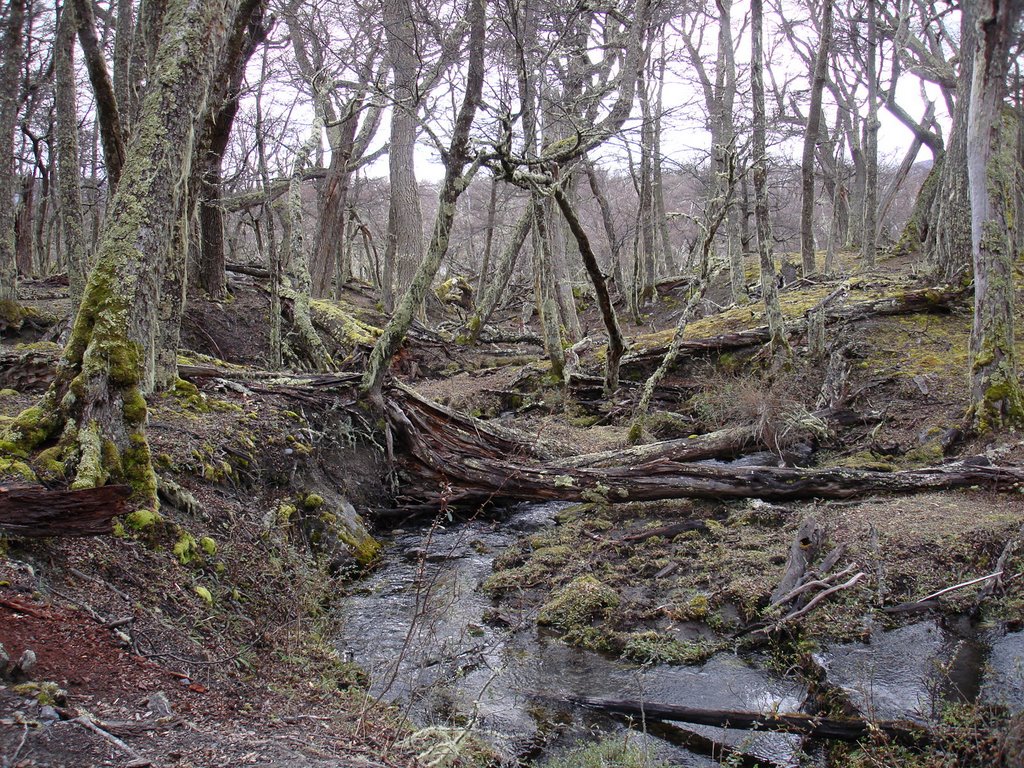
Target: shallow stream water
{"points": [[435, 644]]}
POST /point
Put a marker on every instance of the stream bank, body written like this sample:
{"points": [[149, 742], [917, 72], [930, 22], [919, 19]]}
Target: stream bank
{"points": [[450, 649]]}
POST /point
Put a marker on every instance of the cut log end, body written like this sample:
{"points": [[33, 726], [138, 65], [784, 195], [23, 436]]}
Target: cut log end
{"points": [[34, 511]]}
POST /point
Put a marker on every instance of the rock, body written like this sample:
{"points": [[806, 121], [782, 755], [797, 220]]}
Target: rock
{"points": [[22, 669], [48, 714], [159, 705], [4, 659]]}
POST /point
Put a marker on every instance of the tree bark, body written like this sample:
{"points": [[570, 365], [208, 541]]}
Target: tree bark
{"points": [[404, 250], [818, 77], [109, 360], [455, 183], [69, 176], [10, 78], [841, 728], [616, 344], [107, 114], [769, 284], [992, 176], [869, 235], [947, 232], [247, 33]]}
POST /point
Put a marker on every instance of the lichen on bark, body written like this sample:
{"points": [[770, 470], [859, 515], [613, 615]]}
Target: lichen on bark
{"points": [[95, 409]]}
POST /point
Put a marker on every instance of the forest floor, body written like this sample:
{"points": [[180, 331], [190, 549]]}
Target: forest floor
{"points": [[205, 638]]}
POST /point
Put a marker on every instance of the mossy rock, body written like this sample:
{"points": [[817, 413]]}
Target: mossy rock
{"points": [[578, 604]]}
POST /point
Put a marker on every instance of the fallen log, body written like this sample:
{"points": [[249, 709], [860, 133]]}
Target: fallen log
{"points": [[839, 728], [724, 444], [440, 448], [941, 299], [34, 511]]}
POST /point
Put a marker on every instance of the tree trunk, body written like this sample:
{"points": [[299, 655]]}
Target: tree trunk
{"points": [[455, 182], [247, 33], [109, 361], [404, 249], [616, 344], [9, 104], [69, 175], [869, 243], [769, 284], [947, 239], [107, 115], [608, 221], [992, 176], [818, 78], [485, 262]]}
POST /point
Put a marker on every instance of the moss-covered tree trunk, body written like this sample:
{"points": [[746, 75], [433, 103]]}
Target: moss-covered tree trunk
{"points": [[992, 176], [10, 72], [95, 410]]}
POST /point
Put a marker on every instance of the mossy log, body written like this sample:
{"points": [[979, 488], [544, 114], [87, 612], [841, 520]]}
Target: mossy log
{"points": [[34, 511], [840, 728], [941, 299]]}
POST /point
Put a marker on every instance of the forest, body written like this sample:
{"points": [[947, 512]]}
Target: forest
{"points": [[421, 383]]}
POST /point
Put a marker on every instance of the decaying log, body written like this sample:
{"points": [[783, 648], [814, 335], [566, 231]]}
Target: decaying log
{"points": [[29, 369], [910, 302], [723, 444], [840, 728], [802, 552], [34, 511], [439, 448]]}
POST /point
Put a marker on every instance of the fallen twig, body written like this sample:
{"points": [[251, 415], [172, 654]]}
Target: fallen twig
{"points": [[955, 587], [824, 583], [89, 724]]}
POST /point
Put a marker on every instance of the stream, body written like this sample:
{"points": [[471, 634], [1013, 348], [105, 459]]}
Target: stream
{"points": [[434, 644]]}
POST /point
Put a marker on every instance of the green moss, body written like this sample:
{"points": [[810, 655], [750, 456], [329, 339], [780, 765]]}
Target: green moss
{"points": [[577, 604], [208, 545], [185, 548], [926, 455], [285, 512], [8, 393], [50, 463], [365, 549], [204, 594], [617, 752], [143, 520], [15, 467], [137, 468], [653, 648], [29, 429], [313, 501], [45, 693], [134, 407], [91, 472]]}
